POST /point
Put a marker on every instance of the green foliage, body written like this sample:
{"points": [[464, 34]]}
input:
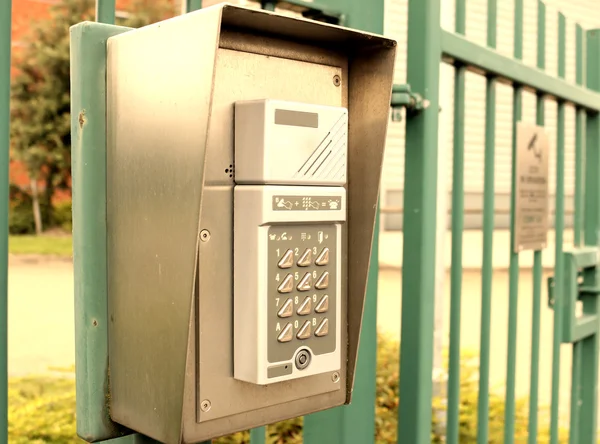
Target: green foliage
{"points": [[42, 409], [40, 103], [63, 216], [20, 214], [40, 94]]}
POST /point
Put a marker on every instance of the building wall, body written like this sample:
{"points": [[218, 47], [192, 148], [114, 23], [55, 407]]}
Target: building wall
{"points": [[584, 12]]}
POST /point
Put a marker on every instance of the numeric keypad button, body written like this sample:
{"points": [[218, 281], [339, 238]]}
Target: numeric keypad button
{"points": [[323, 281], [323, 328], [323, 257], [286, 310], [306, 307], [305, 283], [287, 285], [323, 304], [304, 332], [286, 334], [306, 258], [287, 260]]}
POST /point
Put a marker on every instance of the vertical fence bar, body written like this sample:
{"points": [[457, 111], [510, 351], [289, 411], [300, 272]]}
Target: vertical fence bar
{"points": [[452, 420], [577, 346], [511, 361], [192, 5], [257, 435], [575, 393], [589, 359], [420, 184], [509, 413], [105, 11], [558, 232], [5, 42], [579, 134], [488, 239], [537, 256]]}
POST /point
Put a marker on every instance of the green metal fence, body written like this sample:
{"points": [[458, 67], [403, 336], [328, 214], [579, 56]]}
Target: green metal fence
{"points": [[575, 278], [428, 44]]}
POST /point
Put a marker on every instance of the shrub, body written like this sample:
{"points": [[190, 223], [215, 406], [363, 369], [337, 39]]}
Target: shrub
{"points": [[63, 216], [20, 214], [42, 410]]}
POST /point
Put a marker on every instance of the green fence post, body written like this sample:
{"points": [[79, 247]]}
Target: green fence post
{"points": [[589, 358], [88, 130], [5, 42], [193, 5], [418, 259], [105, 11]]}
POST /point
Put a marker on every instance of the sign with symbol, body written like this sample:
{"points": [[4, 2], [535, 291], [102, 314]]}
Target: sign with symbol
{"points": [[531, 193], [307, 203]]}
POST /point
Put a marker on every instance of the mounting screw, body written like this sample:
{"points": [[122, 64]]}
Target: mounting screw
{"points": [[336, 80], [205, 235], [205, 405], [335, 377]]}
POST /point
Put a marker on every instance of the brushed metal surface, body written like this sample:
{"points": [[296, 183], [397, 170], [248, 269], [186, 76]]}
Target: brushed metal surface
{"points": [[158, 103], [170, 163], [243, 76], [370, 78]]}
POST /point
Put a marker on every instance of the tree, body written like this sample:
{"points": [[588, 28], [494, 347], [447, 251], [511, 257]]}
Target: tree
{"points": [[40, 102]]}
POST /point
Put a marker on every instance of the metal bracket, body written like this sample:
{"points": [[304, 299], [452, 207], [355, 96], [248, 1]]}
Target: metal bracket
{"points": [[403, 97], [579, 284]]}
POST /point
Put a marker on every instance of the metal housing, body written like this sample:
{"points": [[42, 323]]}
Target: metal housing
{"points": [[170, 93]]}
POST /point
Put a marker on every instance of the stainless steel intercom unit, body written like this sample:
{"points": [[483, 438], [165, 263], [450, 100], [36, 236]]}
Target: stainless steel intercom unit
{"points": [[244, 152]]}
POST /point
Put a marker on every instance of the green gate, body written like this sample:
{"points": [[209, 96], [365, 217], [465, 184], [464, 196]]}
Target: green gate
{"points": [[575, 271], [575, 277]]}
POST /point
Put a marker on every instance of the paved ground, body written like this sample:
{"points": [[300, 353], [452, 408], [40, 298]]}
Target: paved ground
{"points": [[40, 309], [41, 322]]}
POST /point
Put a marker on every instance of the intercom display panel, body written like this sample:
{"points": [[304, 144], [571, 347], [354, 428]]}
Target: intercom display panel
{"points": [[290, 143], [302, 294]]}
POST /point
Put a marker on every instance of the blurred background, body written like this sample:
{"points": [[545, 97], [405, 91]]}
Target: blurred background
{"points": [[41, 327]]}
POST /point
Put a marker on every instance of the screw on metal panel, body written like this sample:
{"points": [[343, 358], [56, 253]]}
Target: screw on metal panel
{"points": [[335, 377], [205, 235], [205, 405], [336, 80]]}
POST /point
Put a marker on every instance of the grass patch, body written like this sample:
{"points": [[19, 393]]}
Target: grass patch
{"points": [[42, 409], [47, 244]]}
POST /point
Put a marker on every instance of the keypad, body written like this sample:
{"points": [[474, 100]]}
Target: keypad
{"points": [[287, 310], [286, 334], [287, 261], [287, 285], [323, 304], [323, 328], [306, 307], [304, 332], [301, 302], [306, 258], [323, 258], [306, 282], [323, 282]]}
